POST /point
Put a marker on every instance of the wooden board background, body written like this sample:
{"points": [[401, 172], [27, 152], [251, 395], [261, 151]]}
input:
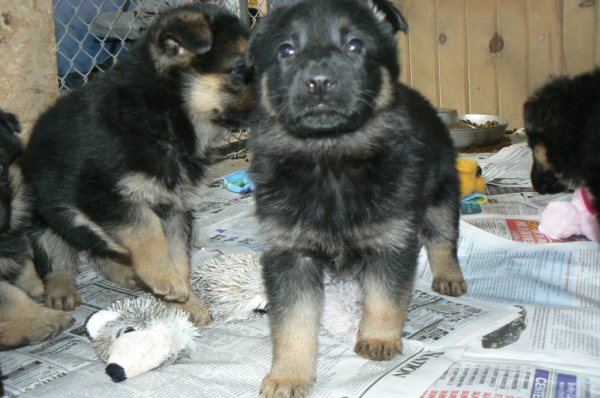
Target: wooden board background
{"points": [[28, 71], [452, 53]]}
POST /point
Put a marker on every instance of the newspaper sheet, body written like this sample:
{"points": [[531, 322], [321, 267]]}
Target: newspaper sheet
{"points": [[232, 358], [528, 327]]}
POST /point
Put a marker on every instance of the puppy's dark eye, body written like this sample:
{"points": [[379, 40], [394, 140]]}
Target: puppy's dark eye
{"points": [[129, 329], [354, 46], [239, 70], [286, 50]]}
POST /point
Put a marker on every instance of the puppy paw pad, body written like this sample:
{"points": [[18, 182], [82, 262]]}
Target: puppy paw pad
{"points": [[273, 387], [449, 287], [378, 350]]}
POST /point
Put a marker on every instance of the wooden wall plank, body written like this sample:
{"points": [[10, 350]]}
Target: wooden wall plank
{"points": [[542, 39], [423, 45], [481, 26], [578, 35], [403, 43], [452, 54], [597, 35], [513, 68], [544, 42]]}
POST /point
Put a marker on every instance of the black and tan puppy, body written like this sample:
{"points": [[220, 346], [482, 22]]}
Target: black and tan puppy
{"points": [[22, 320], [114, 168], [562, 120], [350, 168]]}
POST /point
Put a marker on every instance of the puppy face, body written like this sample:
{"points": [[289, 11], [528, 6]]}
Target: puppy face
{"points": [[204, 45], [324, 67], [553, 139], [10, 149]]}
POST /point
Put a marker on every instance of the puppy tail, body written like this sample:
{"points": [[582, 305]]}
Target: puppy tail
{"points": [[79, 231]]}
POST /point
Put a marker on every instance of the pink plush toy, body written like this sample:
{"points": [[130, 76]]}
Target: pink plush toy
{"points": [[560, 219]]}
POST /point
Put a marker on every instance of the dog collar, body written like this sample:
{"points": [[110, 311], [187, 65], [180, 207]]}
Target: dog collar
{"points": [[589, 201]]}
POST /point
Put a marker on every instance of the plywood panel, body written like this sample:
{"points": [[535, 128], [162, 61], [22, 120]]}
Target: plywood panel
{"points": [[481, 84], [597, 31], [513, 60], [452, 54], [423, 45], [404, 58], [544, 42], [403, 44], [578, 34], [28, 74]]}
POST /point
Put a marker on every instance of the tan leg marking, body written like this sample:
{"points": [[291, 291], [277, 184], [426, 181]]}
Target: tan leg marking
{"points": [[60, 291], [29, 281], [540, 153], [380, 329], [151, 261], [294, 368], [447, 276], [23, 321], [124, 275], [198, 313]]}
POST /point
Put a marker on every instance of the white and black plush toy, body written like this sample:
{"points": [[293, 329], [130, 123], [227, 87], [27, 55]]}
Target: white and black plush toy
{"points": [[232, 288], [137, 335]]}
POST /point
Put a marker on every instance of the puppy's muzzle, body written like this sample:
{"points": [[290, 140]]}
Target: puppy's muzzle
{"points": [[545, 181], [320, 84]]}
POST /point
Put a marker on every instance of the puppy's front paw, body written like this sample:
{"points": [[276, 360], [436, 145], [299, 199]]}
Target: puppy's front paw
{"points": [[60, 292], [378, 349], [450, 285], [54, 322], [197, 311], [168, 286], [122, 275], [286, 387]]}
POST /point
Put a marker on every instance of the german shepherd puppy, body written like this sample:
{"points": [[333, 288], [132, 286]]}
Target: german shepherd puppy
{"points": [[114, 168], [562, 121], [350, 167], [22, 320]]}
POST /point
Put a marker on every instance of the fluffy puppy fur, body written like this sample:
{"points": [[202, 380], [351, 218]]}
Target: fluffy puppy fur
{"points": [[22, 320], [562, 122], [350, 167], [114, 168]]}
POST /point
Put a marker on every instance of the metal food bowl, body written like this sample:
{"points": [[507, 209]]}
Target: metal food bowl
{"points": [[464, 135]]}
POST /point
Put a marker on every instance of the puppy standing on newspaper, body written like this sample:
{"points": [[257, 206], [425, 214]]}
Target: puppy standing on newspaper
{"points": [[350, 167]]}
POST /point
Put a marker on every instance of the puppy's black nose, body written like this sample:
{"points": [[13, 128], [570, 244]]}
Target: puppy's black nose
{"points": [[320, 84]]}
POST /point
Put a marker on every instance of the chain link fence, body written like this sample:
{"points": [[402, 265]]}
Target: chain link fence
{"points": [[91, 35]]}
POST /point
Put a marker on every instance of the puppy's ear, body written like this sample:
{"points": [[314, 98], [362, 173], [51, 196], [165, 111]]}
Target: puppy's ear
{"points": [[10, 121], [531, 115], [550, 100], [254, 42], [181, 36], [9, 142], [384, 10]]}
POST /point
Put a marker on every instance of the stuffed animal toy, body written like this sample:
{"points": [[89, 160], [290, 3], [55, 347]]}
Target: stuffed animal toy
{"points": [[232, 288], [560, 219], [469, 174], [137, 335], [134, 336]]}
